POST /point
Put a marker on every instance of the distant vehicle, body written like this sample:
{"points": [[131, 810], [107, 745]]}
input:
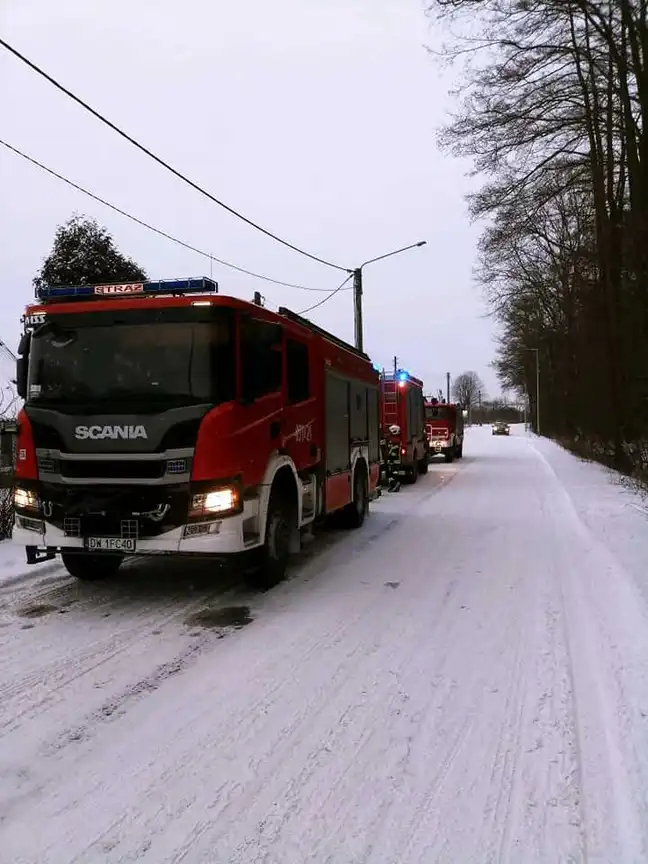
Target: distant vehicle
{"points": [[444, 426], [404, 443], [501, 428], [164, 418]]}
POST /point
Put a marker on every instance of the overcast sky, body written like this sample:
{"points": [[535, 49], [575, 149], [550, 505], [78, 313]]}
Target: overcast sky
{"points": [[315, 118]]}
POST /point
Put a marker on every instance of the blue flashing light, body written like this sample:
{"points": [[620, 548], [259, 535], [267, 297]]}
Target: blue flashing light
{"points": [[402, 376], [376, 367], [127, 289]]}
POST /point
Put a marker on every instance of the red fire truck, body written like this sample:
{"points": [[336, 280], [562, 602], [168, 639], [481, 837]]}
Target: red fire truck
{"points": [[163, 417], [403, 423], [444, 425]]}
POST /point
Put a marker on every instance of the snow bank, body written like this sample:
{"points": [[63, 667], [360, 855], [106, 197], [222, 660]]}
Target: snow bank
{"points": [[14, 567], [608, 504]]}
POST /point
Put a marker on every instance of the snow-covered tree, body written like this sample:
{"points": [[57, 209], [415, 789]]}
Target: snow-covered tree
{"points": [[84, 253]]}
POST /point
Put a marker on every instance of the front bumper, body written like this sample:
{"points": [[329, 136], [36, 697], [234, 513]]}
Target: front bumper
{"points": [[438, 445], [218, 538]]}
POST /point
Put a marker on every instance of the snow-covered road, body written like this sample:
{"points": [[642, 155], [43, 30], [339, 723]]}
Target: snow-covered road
{"points": [[464, 680]]}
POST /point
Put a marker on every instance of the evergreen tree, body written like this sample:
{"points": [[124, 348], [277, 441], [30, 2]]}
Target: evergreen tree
{"points": [[84, 253]]}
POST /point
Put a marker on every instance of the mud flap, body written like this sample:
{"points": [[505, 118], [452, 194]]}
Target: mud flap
{"points": [[37, 554]]}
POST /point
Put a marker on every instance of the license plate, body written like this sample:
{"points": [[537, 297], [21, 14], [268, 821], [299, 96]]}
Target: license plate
{"points": [[109, 544]]}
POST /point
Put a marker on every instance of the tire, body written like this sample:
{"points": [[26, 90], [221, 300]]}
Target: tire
{"points": [[460, 451], [355, 513], [423, 465], [275, 552], [89, 567], [449, 455], [413, 473]]}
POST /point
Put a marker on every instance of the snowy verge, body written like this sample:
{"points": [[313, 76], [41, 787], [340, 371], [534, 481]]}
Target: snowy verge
{"points": [[613, 511], [14, 567]]}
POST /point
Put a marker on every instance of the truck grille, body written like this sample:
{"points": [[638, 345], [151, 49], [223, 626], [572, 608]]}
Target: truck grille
{"points": [[104, 511], [127, 469], [149, 470]]}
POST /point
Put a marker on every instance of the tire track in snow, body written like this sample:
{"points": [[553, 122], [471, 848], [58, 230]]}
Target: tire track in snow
{"points": [[281, 752], [120, 644], [277, 737], [43, 686], [230, 746], [430, 750], [102, 599]]}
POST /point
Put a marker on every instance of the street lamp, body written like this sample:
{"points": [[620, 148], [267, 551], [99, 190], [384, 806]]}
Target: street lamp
{"points": [[535, 350], [357, 289]]}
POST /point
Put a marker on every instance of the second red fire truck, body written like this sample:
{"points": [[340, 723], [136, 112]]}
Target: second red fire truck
{"points": [[162, 417], [405, 445]]}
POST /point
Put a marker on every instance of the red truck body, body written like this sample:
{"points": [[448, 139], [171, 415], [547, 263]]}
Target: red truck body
{"points": [[403, 421], [166, 418], [444, 426]]}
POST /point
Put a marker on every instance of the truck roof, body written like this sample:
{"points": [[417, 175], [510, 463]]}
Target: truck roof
{"points": [[164, 294], [402, 376]]}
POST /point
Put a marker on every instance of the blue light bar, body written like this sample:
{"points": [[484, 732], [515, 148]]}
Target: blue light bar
{"points": [[402, 376], [128, 289]]}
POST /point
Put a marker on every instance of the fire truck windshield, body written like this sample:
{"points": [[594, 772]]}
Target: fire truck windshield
{"points": [[92, 360], [437, 412]]}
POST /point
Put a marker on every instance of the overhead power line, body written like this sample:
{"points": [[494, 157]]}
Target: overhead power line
{"points": [[326, 299], [7, 351], [161, 161], [153, 228]]}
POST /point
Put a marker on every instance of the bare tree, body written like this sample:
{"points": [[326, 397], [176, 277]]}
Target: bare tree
{"points": [[467, 389], [552, 110]]}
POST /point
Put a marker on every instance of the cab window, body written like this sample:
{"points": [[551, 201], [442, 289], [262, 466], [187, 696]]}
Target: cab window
{"points": [[261, 358], [297, 371]]}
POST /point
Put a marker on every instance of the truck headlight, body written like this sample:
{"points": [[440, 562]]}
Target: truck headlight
{"points": [[25, 499], [225, 499]]}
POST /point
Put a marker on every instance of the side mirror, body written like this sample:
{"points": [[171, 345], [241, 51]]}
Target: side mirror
{"points": [[21, 365], [25, 342], [21, 377]]}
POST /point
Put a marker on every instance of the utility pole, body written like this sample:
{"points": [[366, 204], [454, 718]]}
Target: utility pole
{"points": [[357, 308], [395, 364], [448, 387], [357, 290], [525, 412], [537, 391], [537, 355]]}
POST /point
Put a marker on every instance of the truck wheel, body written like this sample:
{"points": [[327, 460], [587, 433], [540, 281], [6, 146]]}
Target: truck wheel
{"points": [[89, 567], [460, 451], [423, 465], [275, 552], [412, 473], [449, 455], [354, 514]]}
